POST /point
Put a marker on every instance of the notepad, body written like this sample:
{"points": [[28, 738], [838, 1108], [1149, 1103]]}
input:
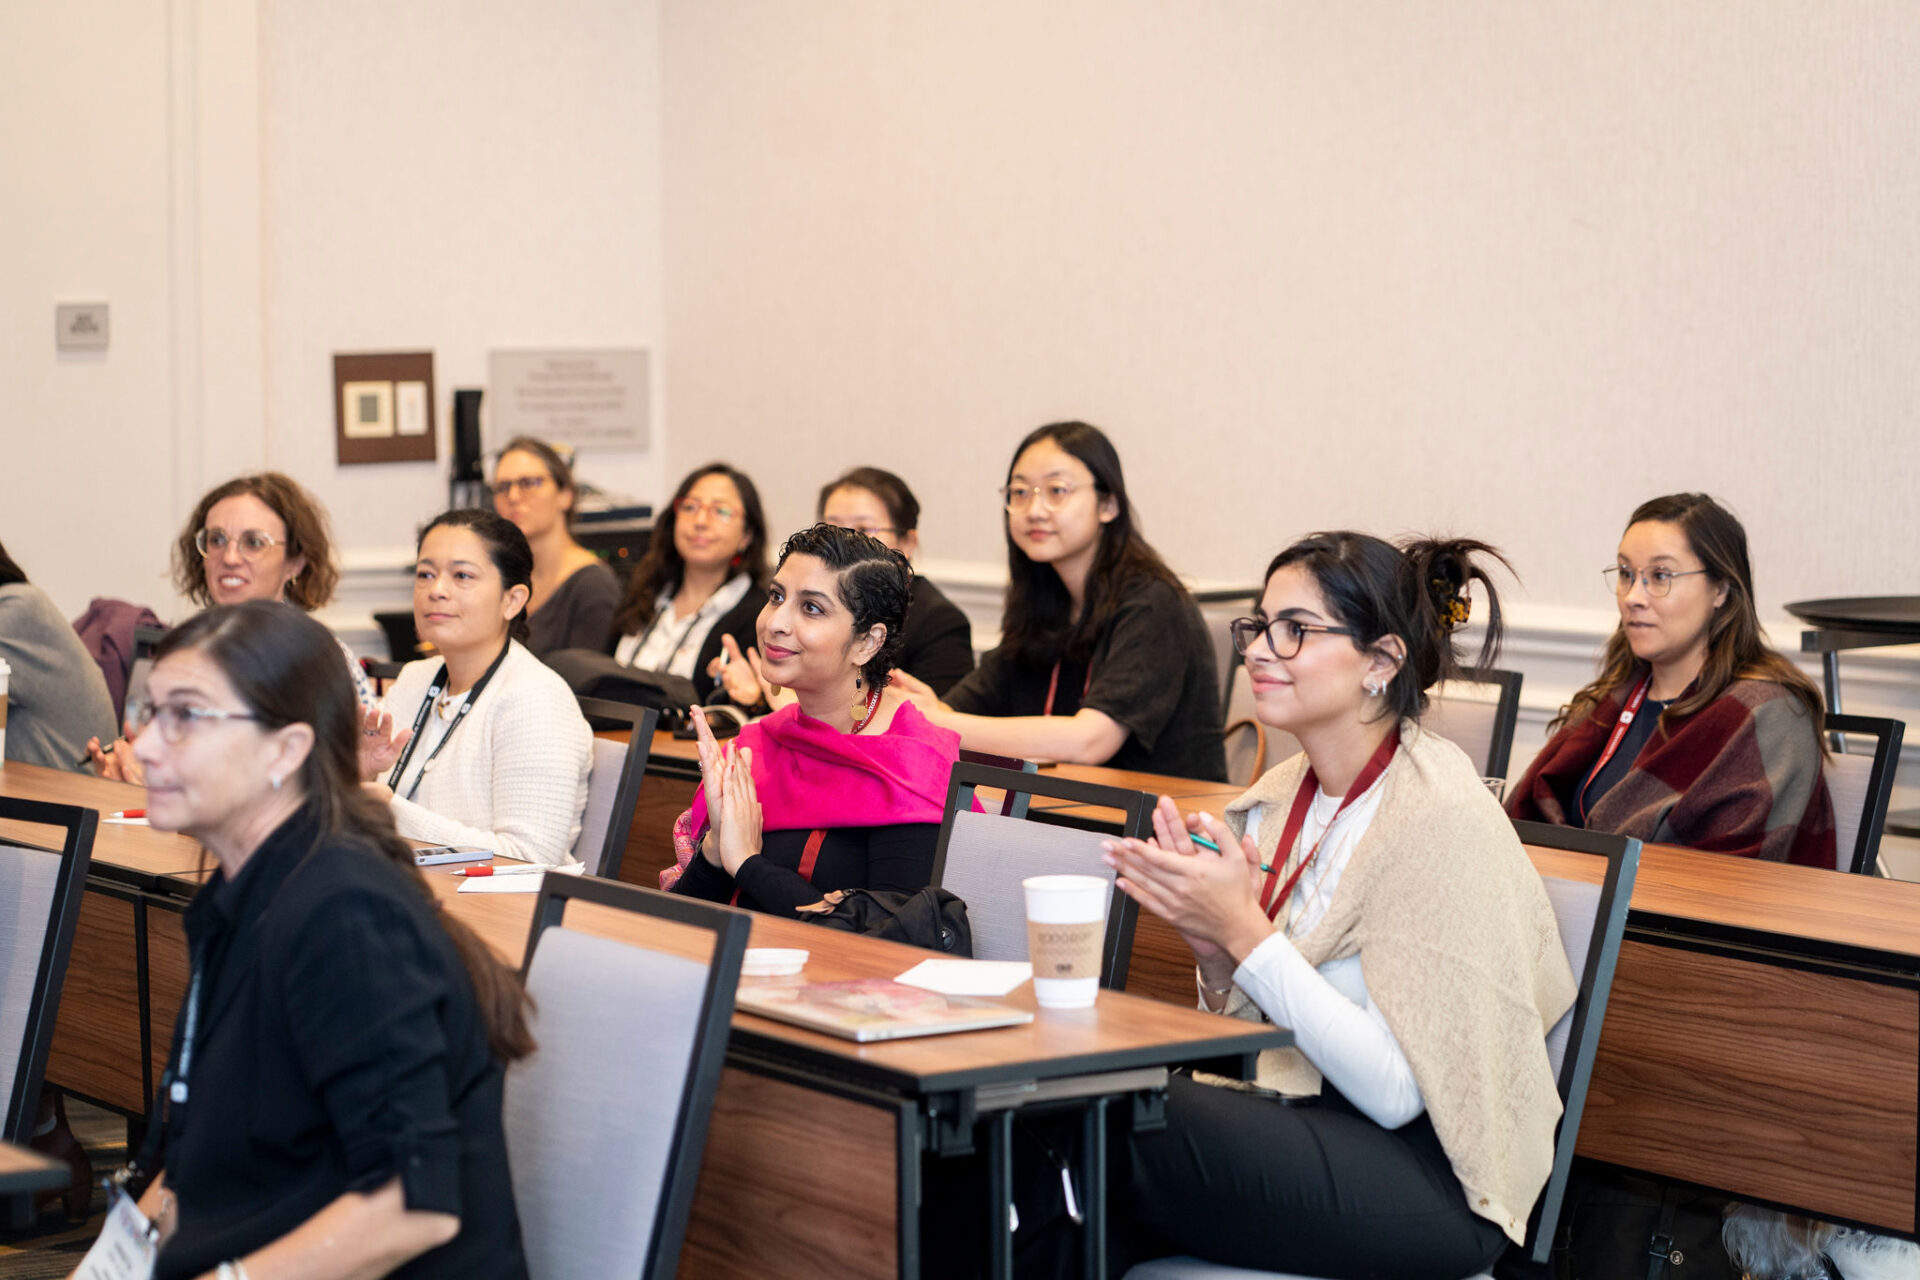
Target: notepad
{"points": [[526, 883], [968, 977]]}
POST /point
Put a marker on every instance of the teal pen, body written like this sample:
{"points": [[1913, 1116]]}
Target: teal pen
{"points": [[1208, 844]]}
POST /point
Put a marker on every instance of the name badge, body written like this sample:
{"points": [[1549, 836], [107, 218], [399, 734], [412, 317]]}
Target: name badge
{"points": [[127, 1246]]}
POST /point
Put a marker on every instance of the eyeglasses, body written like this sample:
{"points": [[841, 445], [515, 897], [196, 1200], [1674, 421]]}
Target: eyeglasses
{"points": [[525, 484], [1659, 579], [252, 544], [174, 718], [723, 512], [1020, 496], [868, 529], [1284, 635]]}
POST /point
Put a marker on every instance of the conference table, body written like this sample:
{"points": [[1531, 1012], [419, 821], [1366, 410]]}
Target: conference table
{"points": [[789, 1098], [1763, 1037]]}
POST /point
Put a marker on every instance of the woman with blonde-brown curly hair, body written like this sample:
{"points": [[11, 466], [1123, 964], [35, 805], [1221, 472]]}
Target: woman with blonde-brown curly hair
{"points": [[256, 537]]}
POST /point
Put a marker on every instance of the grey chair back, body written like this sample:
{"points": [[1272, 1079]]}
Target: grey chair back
{"points": [[982, 858], [613, 784], [1860, 784], [1477, 713], [606, 1122], [40, 890]]}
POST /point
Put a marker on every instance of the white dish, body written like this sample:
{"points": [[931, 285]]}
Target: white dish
{"points": [[772, 962]]}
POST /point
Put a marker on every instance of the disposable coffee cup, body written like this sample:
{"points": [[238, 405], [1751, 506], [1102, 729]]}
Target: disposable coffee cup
{"points": [[1066, 926]]}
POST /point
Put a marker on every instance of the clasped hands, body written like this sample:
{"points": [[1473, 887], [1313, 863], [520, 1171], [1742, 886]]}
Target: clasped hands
{"points": [[1211, 898], [733, 808]]}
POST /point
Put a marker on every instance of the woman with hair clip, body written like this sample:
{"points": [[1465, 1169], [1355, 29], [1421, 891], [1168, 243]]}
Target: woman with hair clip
{"points": [[332, 1103], [574, 593], [1696, 733], [1370, 894], [482, 744], [1103, 656], [256, 537], [844, 788], [703, 578]]}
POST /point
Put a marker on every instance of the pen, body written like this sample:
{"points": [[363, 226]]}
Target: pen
{"points": [[128, 813], [1201, 840], [495, 871]]}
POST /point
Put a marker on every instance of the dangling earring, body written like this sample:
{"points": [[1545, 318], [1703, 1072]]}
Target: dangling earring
{"points": [[859, 701]]}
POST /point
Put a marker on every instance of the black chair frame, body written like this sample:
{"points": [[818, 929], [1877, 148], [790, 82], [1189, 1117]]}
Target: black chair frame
{"points": [[43, 1000], [966, 778], [642, 721], [1506, 716], [1015, 804], [1583, 1036], [730, 929], [1887, 734]]}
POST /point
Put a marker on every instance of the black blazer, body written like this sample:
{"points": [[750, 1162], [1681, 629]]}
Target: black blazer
{"points": [[938, 639]]}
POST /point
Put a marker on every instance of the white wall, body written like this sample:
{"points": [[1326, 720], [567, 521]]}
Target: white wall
{"points": [[1506, 269]]}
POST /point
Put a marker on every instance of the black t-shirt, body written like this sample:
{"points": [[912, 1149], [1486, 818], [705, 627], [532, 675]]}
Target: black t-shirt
{"points": [[893, 858], [936, 639], [1638, 734], [340, 1045], [1152, 671]]}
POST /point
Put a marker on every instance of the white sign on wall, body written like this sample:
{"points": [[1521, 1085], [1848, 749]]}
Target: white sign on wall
{"points": [[594, 399]]}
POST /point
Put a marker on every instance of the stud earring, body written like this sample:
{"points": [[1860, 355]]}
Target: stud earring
{"points": [[274, 778], [1374, 688]]}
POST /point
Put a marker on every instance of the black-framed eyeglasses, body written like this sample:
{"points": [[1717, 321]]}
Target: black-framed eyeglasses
{"points": [[1659, 578], [525, 484], [174, 718], [252, 544], [1284, 635]]}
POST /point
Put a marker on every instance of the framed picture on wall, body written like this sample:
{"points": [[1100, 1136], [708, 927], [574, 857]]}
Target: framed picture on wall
{"points": [[383, 407]]}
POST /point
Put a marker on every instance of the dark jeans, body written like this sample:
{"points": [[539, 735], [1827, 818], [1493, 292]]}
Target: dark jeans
{"points": [[1318, 1190]]}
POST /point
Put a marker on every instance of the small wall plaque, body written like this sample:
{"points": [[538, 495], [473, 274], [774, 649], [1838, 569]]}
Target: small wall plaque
{"points": [[80, 326], [383, 407]]}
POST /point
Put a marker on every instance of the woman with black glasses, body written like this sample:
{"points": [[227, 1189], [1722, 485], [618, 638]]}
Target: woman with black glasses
{"points": [[1104, 657], [704, 577], [1696, 732], [1369, 894], [574, 593]]}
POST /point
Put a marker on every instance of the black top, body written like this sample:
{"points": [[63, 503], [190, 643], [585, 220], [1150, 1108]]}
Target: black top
{"points": [[578, 614], [340, 1045], [739, 622], [1645, 721], [896, 858], [937, 639], [1153, 673]]}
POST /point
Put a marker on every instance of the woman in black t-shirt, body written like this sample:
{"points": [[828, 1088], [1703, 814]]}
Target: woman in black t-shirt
{"points": [[1103, 658]]}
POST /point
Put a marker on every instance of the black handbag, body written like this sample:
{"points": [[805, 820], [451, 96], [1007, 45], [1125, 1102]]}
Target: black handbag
{"points": [[930, 918], [1622, 1226], [592, 674]]}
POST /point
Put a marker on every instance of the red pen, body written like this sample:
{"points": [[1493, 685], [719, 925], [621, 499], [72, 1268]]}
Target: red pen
{"points": [[496, 871], [128, 813]]}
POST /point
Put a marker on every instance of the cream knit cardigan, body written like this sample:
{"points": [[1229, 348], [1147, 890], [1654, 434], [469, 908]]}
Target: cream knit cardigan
{"points": [[1461, 955], [513, 777]]}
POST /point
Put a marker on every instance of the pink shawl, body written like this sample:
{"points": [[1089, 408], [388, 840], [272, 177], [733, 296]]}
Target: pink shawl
{"points": [[809, 775]]}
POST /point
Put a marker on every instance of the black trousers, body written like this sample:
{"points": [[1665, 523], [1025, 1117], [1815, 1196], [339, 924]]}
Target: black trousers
{"points": [[1319, 1190]]}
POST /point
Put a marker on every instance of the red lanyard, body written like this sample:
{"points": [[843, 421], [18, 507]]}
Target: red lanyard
{"points": [[1625, 722], [1271, 902], [1053, 687]]}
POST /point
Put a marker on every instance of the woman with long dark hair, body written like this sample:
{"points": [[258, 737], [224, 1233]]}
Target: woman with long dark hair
{"points": [[1369, 894], [481, 744], [574, 593], [1695, 732], [56, 697], [703, 577], [1103, 656], [843, 788], [332, 1105]]}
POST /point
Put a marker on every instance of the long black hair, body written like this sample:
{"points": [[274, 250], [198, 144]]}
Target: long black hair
{"points": [[1416, 591], [10, 572], [286, 668], [1038, 626]]}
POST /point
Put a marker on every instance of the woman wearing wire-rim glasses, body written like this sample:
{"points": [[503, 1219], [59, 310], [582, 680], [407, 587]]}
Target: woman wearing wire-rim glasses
{"points": [[1696, 732]]}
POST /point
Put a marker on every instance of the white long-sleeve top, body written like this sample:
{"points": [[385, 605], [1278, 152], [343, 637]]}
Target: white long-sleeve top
{"points": [[1334, 1021], [512, 778]]}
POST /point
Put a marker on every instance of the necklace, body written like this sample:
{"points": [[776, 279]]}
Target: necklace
{"points": [[873, 707]]}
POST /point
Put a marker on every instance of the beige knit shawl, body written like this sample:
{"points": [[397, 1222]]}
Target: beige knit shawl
{"points": [[1462, 956]]}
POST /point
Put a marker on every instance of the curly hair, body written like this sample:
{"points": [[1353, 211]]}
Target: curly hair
{"points": [[876, 582], [307, 535]]}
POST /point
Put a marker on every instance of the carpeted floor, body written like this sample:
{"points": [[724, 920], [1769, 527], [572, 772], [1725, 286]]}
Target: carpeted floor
{"points": [[54, 1246]]}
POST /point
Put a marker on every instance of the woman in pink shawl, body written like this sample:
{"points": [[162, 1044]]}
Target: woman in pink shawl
{"points": [[842, 789]]}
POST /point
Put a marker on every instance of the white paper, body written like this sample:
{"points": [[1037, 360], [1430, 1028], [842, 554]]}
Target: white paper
{"points": [[124, 1249], [968, 977], [519, 881], [127, 822]]}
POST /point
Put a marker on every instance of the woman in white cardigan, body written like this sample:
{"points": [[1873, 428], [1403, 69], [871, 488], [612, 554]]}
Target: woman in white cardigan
{"points": [[483, 745], [1370, 895]]}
